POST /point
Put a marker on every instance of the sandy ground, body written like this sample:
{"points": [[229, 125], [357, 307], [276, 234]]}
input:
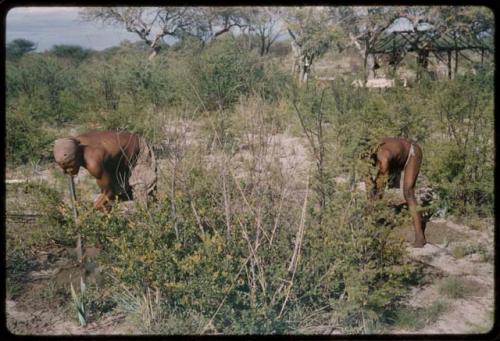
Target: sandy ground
{"points": [[473, 313], [41, 307]]}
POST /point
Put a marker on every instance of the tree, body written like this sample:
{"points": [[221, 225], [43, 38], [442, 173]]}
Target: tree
{"points": [[265, 22], [72, 52], [19, 47], [151, 24], [311, 36], [362, 26], [211, 22]]}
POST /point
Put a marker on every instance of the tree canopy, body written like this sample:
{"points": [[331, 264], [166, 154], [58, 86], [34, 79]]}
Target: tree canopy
{"points": [[18, 47]]}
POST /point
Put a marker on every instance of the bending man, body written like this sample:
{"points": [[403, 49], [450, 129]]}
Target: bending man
{"points": [[122, 163], [393, 156]]}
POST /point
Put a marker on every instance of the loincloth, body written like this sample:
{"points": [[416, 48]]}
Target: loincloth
{"points": [[396, 178]]}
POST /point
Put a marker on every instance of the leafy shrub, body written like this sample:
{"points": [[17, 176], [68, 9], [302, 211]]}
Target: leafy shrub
{"points": [[359, 263], [99, 85], [350, 262], [415, 318], [40, 85], [223, 72], [143, 81], [73, 53], [461, 164], [276, 82], [453, 287], [26, 140], [19, 47]]}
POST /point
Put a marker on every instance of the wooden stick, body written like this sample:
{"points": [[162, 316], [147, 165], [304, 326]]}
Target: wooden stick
{"points": [[72, 192], [71, 185]]}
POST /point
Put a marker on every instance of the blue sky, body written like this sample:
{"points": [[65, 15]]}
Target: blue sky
{"points": [[48, 26]]}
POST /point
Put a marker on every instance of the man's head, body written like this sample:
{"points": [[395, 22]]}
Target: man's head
{"points": [[67, 153]]}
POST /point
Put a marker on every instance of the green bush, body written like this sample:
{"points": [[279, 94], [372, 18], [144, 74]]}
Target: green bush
{"points": [[415, 318], [357, 264], [74, 53], [144, 82], [454, 287], [99, 85], [223, 72], [40, 85], [461, 163], [350, 262], [25, 139], [19, 47]]}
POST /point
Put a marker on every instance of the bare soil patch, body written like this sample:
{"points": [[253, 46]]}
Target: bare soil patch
{"points": [[465, 285]]}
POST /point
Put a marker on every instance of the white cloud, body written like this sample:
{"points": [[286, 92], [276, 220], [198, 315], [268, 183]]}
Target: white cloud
{"points": [[43, 10], [48, 26]]}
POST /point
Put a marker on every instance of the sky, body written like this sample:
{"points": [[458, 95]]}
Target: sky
{"points": [[48, 26]]}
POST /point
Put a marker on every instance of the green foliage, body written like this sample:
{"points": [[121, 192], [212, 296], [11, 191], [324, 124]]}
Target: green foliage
{"points": [[99, 85], [455, 287], [19, 47], [414, 318], [311, 31], [462, 167], [73, 53], [42, 87], [461, 251], [78, 304], [140, 81], [362, 265], [39, 199], [97, 302], [25, 139], [56, 222], [355, 265], [276, 82], [16, 267], [225, 71]]}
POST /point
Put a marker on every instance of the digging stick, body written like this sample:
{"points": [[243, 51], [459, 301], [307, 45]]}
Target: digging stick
{"points": [[72, 192]]}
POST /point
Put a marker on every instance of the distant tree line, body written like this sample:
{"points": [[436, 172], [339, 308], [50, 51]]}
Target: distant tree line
{"points": [[311, 30]]}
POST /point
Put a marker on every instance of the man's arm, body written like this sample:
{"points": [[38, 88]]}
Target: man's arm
{"points": [[383, 158], [95, 164], [104, 183]]}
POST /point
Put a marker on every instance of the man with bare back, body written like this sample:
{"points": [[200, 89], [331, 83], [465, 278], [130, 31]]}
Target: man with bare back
{"points": [[122, 163], [394, 156]]}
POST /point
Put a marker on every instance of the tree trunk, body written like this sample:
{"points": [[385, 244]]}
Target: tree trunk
{"points": [[449, 64], [296, 57], [369, 64], [155, 52], [262, 45], [268, 46], [394, 53], [304, 72], [305, 68], [152, 55]]}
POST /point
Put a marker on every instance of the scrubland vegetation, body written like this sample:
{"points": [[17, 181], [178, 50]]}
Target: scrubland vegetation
{"points": [[240, 240]]}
